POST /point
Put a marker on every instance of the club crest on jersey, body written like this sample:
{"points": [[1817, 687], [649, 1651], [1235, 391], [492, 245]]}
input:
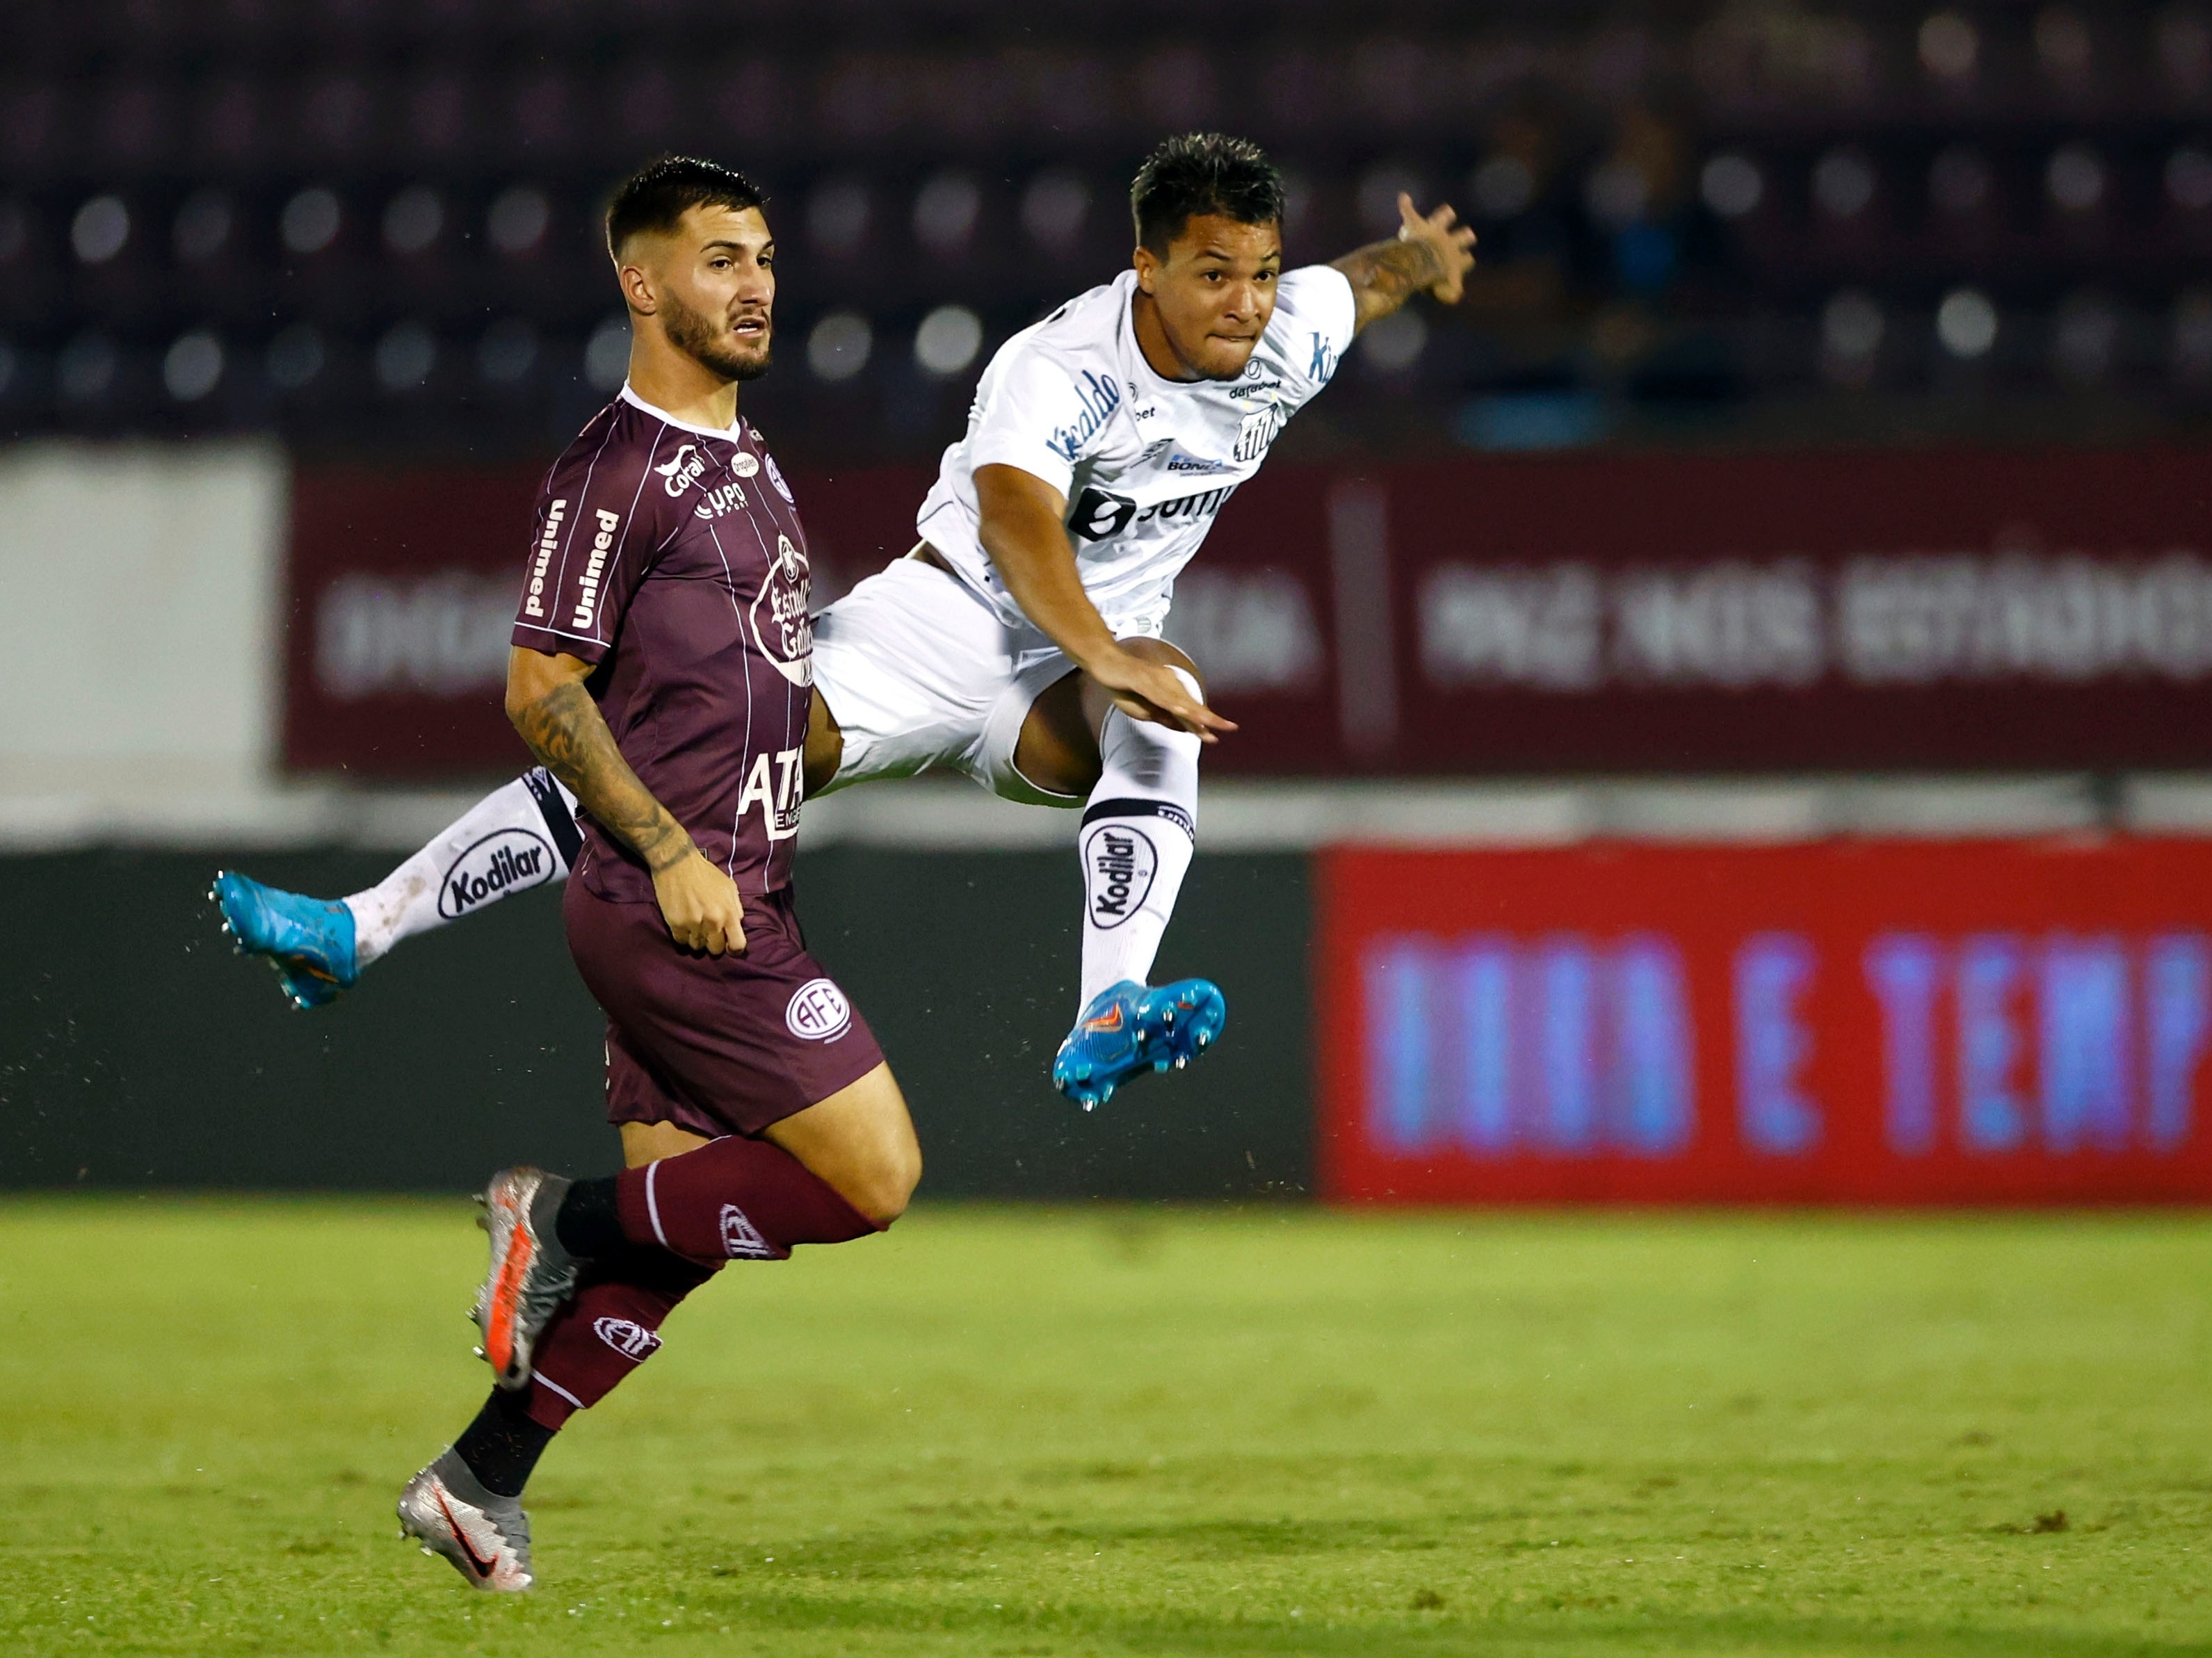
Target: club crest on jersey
{"points": [[782, 631], [627, 1337], [683, 470], [1097, 395], [1258, 431], [1119, 864], [818, 1011], [776, 477], [506, 860]]}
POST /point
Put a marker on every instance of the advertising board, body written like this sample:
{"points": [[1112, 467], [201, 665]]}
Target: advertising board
{"points": [[1868, 1023]]}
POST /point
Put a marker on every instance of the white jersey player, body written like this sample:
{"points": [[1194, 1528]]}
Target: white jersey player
{"points": [[1020, 642]]}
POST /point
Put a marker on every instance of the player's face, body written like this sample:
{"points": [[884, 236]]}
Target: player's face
{"points": [[1214, 292], [716, 282]]}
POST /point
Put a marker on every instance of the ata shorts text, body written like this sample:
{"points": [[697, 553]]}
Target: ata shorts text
{"points": [[714, 1044]]}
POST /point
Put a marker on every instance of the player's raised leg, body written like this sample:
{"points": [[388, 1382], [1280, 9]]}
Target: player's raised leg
{"points": [[521, 835], [1138, 831]]}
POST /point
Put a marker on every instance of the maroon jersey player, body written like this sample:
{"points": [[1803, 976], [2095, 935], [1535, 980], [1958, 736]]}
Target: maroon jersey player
{"points": [[662, 671]]}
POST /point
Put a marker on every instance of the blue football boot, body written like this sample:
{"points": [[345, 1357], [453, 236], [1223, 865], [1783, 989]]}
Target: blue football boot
{"points": [[1129, 1029], [309, 941]]}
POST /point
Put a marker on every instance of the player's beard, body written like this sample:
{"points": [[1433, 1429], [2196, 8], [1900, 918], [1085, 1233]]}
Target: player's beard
{"points": [[708, 343]]}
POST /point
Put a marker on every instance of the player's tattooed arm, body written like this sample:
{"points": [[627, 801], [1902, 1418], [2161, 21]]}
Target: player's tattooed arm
{"points": [[556, 717], [1433, 252]]}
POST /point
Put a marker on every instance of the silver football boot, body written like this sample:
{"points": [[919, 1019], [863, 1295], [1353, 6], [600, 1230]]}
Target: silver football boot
{"points": [[487, 1537], [531, 1277]]}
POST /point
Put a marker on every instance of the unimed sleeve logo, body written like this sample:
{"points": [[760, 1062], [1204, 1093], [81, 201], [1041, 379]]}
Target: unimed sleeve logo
{"points": [[818, 1011]]}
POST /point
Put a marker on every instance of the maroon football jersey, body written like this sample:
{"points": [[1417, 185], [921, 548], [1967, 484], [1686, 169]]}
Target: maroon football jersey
{"points": [[672, 557]]}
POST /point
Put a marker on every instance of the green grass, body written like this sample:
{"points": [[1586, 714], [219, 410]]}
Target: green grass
{"points": [[1002, 1431]]}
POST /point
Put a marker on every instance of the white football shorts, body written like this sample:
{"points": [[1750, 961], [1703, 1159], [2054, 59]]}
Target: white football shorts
{"points": [[921, 675]]}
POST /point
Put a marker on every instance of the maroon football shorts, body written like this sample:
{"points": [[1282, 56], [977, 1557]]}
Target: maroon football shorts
{"points": [[714, 1044]]}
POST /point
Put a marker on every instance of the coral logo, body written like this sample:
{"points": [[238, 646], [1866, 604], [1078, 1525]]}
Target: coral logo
{"points": [[632, 1340], [818, 1011]]}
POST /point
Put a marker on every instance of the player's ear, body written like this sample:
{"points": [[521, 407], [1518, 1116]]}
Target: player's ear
{"points": [[1148, 265], [637, 288]]}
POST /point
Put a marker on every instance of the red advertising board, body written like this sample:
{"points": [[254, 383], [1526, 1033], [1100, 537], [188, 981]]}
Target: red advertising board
{"points": [[1864, 1023], [1475, 614]]}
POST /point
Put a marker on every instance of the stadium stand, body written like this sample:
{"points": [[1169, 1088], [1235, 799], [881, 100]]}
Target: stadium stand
{"points": [[372, 222]]}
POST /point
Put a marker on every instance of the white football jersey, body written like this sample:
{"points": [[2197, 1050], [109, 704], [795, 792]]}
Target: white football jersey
{"points": [[1144, 463]]}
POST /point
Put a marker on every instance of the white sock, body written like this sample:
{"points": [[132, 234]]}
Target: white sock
{"points": [[522, 835], [1139, 829]]}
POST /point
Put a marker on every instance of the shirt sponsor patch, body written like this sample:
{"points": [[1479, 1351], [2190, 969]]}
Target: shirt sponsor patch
{"points": [[504, 861], [744, 464], [818, 1011], [533, 602]]}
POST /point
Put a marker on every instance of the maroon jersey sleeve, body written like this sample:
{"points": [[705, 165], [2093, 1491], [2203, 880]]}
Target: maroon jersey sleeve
{"points": [[600, 521]]}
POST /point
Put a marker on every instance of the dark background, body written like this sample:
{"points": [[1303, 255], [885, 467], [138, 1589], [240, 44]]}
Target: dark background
{"points": [[160, 1059]]}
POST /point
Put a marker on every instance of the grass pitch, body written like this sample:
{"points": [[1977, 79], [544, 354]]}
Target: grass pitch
{"points": [[1071, 1433]]}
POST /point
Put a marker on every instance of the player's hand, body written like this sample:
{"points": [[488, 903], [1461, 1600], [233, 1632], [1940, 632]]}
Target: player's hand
{"points": [[1146, 690], [1450, 242], [701, 906]]}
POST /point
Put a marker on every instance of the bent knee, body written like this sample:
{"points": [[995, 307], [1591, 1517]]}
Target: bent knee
{"points": [[886, 1185]]}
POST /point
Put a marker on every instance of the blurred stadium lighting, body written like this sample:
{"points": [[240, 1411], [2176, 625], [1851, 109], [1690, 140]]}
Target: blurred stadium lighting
{"points": [[2189, 178], [1844, 183], [837, 216], [2183, 44], [2192, 339], [1617, 193], [2063, 46], [2085, 340], [838, 347], [296, 357], [86, 369], [606, 355], [517, 221], [99, 230], [1377, 198], [946, 211], [1732, 184], [412, 219], [1394, 344], [1950, 47], [2075, 178], [192, 366], [948, 339], [202, 227], [1966, 323], [1053, 208], [406, 352], [1959, 180], [1502, 186], [310, 221], [1851, 330], [508, 351]]}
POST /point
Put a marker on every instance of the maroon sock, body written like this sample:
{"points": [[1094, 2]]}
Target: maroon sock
{"points": [[612, 1327], [733, 1199]]}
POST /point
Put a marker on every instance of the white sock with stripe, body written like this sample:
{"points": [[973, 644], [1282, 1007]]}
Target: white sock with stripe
{"points": [[1139, 829]]}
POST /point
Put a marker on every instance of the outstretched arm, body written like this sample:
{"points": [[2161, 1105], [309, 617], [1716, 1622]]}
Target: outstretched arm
{"points": [[549, 706], [1022, 530], [1433, 252]]}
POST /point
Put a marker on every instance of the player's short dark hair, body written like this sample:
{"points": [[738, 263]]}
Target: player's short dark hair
{"points": [[1195, 173], [659, 193]]}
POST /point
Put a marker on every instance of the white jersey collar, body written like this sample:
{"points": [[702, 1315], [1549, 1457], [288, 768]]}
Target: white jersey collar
{"points": [[729, 434]]}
